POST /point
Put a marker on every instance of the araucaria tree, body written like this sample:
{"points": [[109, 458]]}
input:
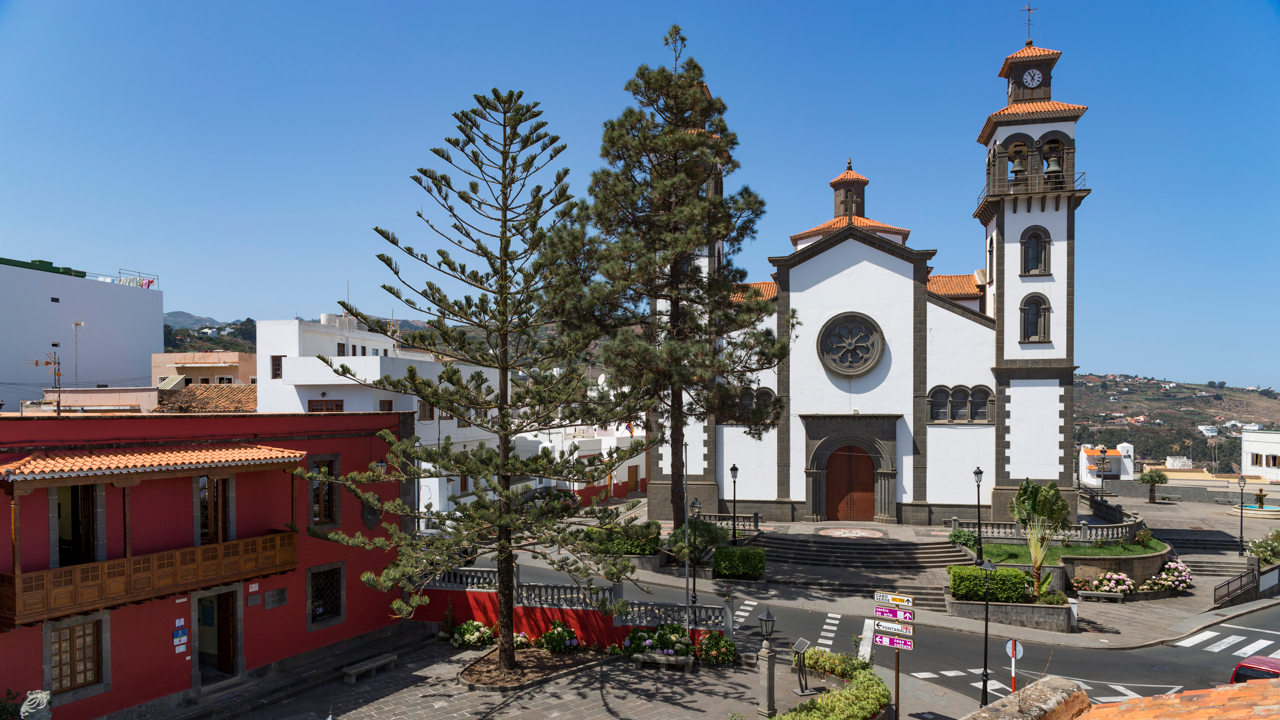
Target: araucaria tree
{"points": [[688, 335], [528, 378]]}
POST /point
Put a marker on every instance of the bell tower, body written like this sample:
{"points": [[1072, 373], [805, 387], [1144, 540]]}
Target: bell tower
{"points": [[1028, 211]]}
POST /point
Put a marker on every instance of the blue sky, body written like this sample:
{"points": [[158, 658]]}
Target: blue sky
{"points": [[242, 151]]}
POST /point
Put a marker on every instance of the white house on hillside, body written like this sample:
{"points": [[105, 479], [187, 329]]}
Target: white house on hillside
{"points": [[1260, 454], [1117, 465]]}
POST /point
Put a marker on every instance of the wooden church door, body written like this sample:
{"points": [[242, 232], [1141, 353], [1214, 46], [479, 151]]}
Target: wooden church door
{"points": [[851, 485]]}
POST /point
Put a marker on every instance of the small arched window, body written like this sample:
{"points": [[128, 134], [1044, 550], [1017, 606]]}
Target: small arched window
{"points": [[764, 396], [959, 405], [746, 400], [938, 404], [1035, 319], [1035, 254], [979, 399]]}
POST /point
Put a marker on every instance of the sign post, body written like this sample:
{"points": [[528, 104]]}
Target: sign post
{"points": [[895, 622], [1013, 649]]}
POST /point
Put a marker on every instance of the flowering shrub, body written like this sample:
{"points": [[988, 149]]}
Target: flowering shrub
{"points": [[1266, 549], [472, 634], [1079, 584], [521, 640], [716, 649], [559, 639], [821, 660], [667, 639], [1113, 582], [1174, 576]]}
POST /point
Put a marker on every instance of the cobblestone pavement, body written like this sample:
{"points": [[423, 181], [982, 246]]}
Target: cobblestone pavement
{"points": [[423, 687]]}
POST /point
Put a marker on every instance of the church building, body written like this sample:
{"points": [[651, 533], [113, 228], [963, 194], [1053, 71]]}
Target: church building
{"points": [[900, 383]]}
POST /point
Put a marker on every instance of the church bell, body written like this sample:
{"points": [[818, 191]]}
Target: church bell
{"points": [[1054, 166], [1019, 166]]}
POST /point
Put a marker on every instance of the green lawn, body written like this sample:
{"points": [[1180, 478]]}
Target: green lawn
{"points": [[1019, 555]]}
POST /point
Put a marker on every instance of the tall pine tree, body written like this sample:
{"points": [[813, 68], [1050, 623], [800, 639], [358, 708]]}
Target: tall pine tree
{"points": [[666, 235], [498, 217]]}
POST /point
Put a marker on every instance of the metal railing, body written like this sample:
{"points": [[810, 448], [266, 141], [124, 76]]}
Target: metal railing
{"points": [[1241, 583], [1055, 182], [745, 522]]}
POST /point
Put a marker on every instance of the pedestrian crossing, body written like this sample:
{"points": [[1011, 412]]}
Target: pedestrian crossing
{"points": [[999, 689], [1217, 643], [828, 635], [743, 614]]}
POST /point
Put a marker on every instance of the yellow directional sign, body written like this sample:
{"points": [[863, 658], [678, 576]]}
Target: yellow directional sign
{"points": [[895, 599]]}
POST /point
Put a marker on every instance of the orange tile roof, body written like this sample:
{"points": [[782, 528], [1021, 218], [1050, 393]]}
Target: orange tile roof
{"points": [[835, 224], [1254, 699], [848, 176], [768, 291], [1036, 110], [211, 399], [956, 287], [1030, 52], [1110, 453], [47, 466]]}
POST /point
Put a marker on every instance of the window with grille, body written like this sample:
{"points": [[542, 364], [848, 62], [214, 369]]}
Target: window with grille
{"points": [[322, 494], [75, 658], [277, 367], [326, 595]]}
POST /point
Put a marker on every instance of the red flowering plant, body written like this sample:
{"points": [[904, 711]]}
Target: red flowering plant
{"points": [[715, 649]]}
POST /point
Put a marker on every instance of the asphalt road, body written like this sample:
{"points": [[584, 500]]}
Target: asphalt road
{"points": [[955, 659]]}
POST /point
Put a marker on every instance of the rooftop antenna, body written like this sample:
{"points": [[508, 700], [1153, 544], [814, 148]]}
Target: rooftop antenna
{"points": [[1028, 10], [55, 369]]}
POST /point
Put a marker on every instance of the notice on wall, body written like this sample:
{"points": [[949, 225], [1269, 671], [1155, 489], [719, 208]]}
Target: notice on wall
{"points": [[180, 649], [180, 637], [179, 622]]}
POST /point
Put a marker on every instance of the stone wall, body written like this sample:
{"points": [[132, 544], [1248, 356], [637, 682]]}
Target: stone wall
{"points": [[1137, 567], [1054, 618], [1184, 493], [1049, 698]]}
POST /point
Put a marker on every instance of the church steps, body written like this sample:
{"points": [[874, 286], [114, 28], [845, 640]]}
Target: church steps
{"points": [[860, 555]]}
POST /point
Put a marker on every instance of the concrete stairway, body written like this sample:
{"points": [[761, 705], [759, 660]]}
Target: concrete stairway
{"points": [[1211, 570], [1195, 542]]}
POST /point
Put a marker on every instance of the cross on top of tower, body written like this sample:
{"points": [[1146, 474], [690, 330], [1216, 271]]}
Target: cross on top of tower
{"points": [[1028, 10]]}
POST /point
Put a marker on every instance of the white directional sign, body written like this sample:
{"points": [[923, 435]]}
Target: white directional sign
{"points": [[894, 599], [883, 626]]}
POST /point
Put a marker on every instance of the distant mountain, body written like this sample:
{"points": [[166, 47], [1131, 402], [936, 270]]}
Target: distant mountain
{"points": [[179, 319]]}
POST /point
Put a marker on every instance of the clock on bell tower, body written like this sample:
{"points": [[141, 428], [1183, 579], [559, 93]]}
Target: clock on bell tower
{"points": [[1029, 72]]}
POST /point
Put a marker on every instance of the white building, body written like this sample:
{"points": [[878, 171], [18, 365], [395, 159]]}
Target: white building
{"points": [[898, 388], [123, 324], [291, 379], [1116, 465], [1208, 430], [1260, 454]]}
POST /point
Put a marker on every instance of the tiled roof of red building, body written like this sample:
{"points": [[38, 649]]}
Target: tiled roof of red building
{"points": [[955, 287], [211, 399], [1030, 52], [768, 291], [1254, 699], [835, 224], [1036, 110], [48, 466]]}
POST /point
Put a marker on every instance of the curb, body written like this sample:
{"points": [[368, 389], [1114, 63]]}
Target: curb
{"points": [[506, 689]]}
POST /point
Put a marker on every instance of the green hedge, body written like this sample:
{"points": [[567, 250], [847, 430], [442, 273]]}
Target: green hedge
{"points": [[863, 697], [743, 561], [1008, 585], [635, 539], [821, 660]]}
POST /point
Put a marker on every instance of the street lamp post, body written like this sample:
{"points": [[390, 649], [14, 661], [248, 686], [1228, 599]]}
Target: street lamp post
{"points": [[977, 480], [1240, 482], [1102, 470], [733, 471], [696, 507], [987, 571], [767, 708]]}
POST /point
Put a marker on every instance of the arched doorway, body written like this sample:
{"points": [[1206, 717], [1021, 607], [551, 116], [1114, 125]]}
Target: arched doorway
{"points": [[851, 484]]}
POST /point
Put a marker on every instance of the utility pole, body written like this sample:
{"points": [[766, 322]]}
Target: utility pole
{"points": [[79, 324]]}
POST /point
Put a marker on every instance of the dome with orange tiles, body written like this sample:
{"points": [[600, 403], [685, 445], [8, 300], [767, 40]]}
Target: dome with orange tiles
{"points": [[849, 177]]}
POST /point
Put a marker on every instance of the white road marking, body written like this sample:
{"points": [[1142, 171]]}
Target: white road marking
{"points": [[992, 686], [976, 671], [1241, 627], [830, 627], [1275, 654], [1196, 639], [827, 634], [1224, 644], [1127, 694], [748, 602], [824, 641], [864, 648], [952, 673], [833, 615], [1253, 648], [923, 676]]}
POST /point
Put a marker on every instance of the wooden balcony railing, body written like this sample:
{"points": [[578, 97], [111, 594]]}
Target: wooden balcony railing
{"points": [[47, 594]]}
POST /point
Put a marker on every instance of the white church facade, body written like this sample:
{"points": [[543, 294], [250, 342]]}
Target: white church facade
{"points": [[900, 383]]}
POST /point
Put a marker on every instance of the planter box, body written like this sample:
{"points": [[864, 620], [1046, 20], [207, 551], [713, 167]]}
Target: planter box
{"points": [[1150, 595], [1138, 567], [651, 563], [1100, 596], [682, 662], [1055, 618]]}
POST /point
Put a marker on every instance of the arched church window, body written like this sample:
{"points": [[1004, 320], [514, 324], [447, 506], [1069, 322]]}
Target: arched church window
{"points": [[1035, 319], [746, 400], [979, 399], [938, 405], [959, 405], [764, 396]]}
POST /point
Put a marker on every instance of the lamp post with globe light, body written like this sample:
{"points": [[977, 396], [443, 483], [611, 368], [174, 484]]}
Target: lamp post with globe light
{"points": [[696, 508], [1240, 482], [977, 480], [768, 708], [733, 472]]}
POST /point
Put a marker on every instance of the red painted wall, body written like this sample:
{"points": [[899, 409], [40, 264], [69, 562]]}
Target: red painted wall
{"points": [[144, 665], [590, 493], [590, 625]]}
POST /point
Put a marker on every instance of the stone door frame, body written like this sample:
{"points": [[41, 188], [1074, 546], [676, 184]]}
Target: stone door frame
{"points": [[876, 434]]}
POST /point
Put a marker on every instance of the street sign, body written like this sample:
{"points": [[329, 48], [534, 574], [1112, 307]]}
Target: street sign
{"points": [[1013, 649], [896, 643], [883, 626], [894, 599], [896, 614]]}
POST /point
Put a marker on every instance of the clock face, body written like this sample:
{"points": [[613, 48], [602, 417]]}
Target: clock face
{"points": [[1032, 78]]}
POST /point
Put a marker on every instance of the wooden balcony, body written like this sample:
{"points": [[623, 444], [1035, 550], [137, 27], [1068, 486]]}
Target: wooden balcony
{"points": [[32, 597]]}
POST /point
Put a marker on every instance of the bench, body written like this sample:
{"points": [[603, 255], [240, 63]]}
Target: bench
{"points": [[1087, 594], [683, 662], [371, 666]]}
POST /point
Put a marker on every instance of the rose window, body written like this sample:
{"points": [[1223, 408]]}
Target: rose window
{"points": [[850, 344]]}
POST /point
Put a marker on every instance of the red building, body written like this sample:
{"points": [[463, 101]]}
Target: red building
{"points": [[147, 558]]}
